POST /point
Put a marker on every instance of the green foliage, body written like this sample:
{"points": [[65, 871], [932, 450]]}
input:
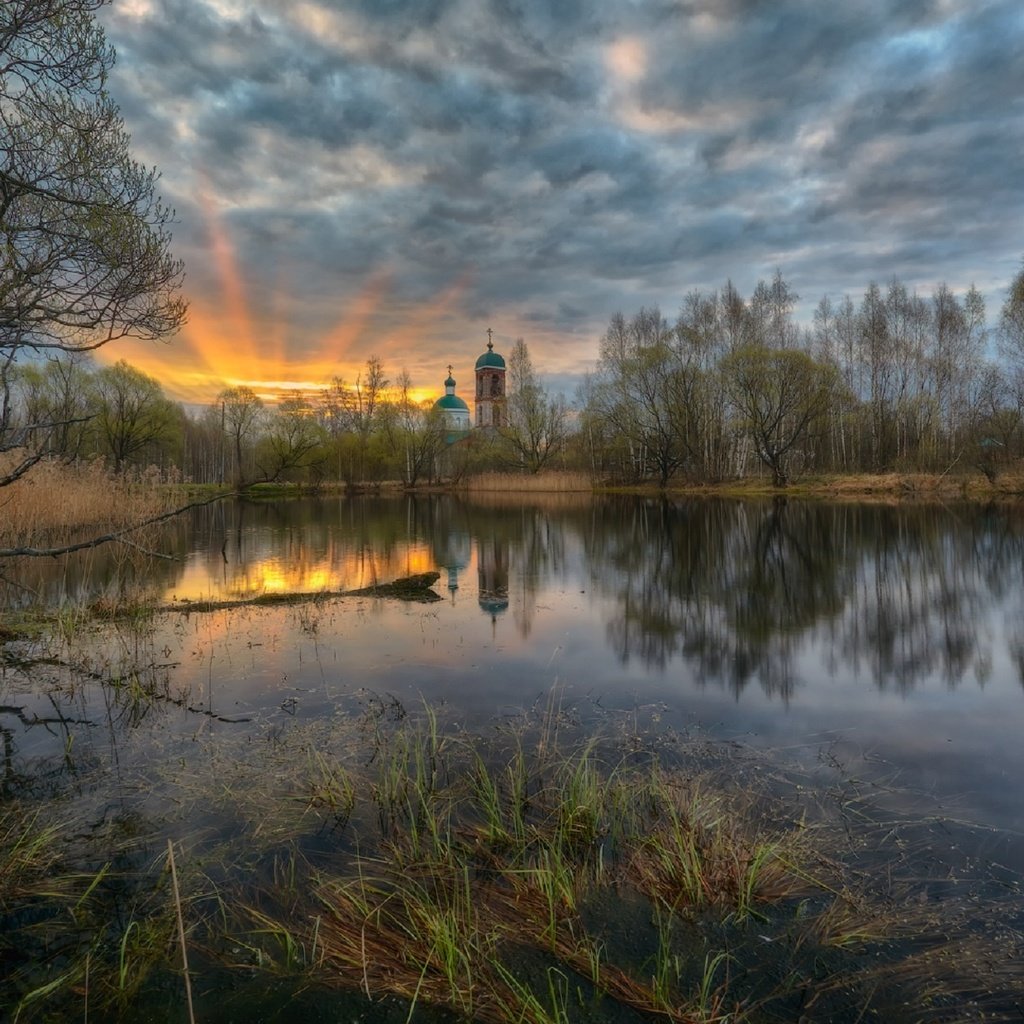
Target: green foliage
{"points": [[134, 420], [782, 396], [86, 255]]}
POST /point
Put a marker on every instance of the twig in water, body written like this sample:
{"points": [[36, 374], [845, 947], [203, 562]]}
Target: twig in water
{"points": [[181, 931]]}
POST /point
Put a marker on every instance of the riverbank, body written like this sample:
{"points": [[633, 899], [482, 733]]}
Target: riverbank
{"points": [[870, 487], [839, 487]]}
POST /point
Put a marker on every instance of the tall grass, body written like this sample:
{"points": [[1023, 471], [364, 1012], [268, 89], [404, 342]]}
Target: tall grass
{"points": [[525, 876], [558, 481], [54, 502], [480, 894]]}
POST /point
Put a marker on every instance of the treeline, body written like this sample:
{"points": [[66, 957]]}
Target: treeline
{"points": [[892, 382], [733, 387], [365, 431]]}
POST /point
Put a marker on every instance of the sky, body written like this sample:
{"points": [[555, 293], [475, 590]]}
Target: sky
{"points": [[375, 177]]}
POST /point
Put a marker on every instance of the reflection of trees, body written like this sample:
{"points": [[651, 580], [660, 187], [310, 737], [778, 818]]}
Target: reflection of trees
{"points": [[926, 589], [62, 714], [728, 587], [737, 590]]}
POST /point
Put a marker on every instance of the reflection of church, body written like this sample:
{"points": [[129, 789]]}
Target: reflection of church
{"points": [[490, 396], [492, 575]]}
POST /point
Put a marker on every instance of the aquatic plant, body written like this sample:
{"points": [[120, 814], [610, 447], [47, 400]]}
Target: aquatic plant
{"points": [[517, 876]]}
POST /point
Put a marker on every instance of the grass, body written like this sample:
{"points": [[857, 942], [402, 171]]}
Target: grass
{"points": [[520, 876], [561, 481], [29, 851], [860, 487], [496, 884], [55, 502]]}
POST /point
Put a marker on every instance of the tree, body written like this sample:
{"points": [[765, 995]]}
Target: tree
{"points": [[86, 256], [1011, 336], [414, 432], [633, 391], [781, 395], [537, 425], [350, 414], [132, 413], [240, 413], [293, 439], [53, 407]]}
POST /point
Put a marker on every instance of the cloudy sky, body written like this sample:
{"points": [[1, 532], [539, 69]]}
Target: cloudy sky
{"points": [[360, 177]]}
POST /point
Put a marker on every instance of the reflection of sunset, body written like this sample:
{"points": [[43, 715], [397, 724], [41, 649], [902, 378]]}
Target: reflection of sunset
{"points": [[224, 344], [337, 569]]}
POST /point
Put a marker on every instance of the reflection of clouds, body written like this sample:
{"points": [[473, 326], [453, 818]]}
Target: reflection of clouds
{"points": [[300, 547]]}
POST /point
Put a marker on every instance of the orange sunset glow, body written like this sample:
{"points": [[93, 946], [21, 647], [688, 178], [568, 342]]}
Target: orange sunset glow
{"points": [[339, 567], [224, 344]]}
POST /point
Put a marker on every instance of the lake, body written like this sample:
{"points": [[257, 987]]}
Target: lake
{"points": [[878, 644]]}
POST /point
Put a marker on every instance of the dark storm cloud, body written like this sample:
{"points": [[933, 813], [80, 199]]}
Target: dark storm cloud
{"points": [[575, 158]]}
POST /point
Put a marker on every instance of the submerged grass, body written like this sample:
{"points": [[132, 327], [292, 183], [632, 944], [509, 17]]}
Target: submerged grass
{"points": [[519, 877], [535, 882]]}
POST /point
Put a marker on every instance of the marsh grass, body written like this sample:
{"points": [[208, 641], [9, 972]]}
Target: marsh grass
{"points": [[29, 851], [55, 502], [551, 481], [62, 936], [493, 886], [524, 876]]}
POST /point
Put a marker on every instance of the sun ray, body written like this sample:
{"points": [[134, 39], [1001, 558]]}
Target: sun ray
{"points": [[336, 344], [231, 283], [415, 325]]}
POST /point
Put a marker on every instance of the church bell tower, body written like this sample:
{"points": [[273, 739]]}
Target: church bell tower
{"points": [[490, 388]]}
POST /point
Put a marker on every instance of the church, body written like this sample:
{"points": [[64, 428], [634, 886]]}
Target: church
{"points": [[491, 405]]}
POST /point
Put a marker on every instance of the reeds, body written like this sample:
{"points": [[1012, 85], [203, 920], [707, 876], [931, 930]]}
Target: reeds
{"points": [[524, 877], [54, 502], [560, 481]]}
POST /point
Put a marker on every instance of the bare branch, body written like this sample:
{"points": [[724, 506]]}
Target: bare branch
{"points": [[118, 536]]}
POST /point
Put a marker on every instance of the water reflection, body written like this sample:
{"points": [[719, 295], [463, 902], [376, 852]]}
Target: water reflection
{"points": [[739, 593], [742, 590]]}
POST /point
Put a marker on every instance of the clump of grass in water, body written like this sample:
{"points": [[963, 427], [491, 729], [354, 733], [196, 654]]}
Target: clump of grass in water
{"points": [[696, 854], [483, 862], [502, 881]]}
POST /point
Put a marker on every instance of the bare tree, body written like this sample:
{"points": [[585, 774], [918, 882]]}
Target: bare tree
{"points": [[537, 426], [1011, 336], [85, 257], [240, 413], [414, 432]]}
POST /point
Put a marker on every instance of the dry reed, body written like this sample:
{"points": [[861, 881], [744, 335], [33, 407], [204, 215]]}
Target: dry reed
{"points": [[55, 501], [552, 481]]}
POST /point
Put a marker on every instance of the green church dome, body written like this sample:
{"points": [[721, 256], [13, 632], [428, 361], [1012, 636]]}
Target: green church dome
{"points": [[450, 402], [490, 359]]}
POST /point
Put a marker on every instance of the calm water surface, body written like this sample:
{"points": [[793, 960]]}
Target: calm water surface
{"points": [[878, 646], [889, 639]]}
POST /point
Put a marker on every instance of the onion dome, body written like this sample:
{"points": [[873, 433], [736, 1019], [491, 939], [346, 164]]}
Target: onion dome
{"points": [[455, 410], [451, 402], [490, 359]]}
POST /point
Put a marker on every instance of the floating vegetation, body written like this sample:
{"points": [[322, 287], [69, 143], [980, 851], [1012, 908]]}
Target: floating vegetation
{"points": [[524, 875]]}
